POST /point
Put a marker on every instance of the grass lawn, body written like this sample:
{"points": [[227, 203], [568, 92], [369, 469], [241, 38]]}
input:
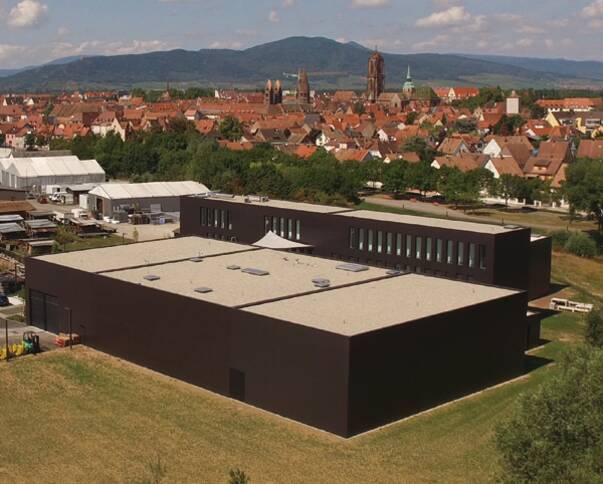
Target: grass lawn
{"points": [[95, 243], [81, 416]]}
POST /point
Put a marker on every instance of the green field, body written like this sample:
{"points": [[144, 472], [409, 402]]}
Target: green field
{"points": [[81, 416]]}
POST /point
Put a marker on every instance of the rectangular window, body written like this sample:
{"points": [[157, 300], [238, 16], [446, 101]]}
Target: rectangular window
{"points": [[408, 246], [449, 251], [390, 243], [275, 225], [290, 228], [352, 238], [399, 245], [370, 241], [282, 227], [361, 239], [203, 217], [428, 248], [439, 250], [229, 220], [472, 256], [379, 241], [267, 223], [210, 217], [419, 248], [223, 219], [460, 254], [216, 218], [482, 257], [298, 230]]}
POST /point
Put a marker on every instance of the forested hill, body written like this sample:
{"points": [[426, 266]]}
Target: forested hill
{"points": [[331, 65]]}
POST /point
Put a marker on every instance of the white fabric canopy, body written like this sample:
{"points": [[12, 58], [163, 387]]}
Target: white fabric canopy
{"points": [[273, 241]]}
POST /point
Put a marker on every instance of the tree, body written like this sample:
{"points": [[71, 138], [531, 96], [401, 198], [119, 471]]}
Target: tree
{"points": [[458, 187], [583, 188], [395, 176], [508, 125], [231, 129], [581, 244], [411, 118], [30, 141], [555, 434], [359, 108], [594, 329], [422, 176], [419, 145], [466, 125], [237, 476]]}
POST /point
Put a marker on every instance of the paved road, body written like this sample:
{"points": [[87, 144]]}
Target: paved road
{"points": [[15, 335]]}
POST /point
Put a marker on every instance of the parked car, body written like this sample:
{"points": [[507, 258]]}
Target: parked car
{"points": [[4, 300]]}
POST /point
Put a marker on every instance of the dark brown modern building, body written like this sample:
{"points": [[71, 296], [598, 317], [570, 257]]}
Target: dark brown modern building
{"points": [[335, 345], [507, 256]]}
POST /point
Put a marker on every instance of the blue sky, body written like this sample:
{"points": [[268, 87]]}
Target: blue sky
{"points": [[36, 31]]}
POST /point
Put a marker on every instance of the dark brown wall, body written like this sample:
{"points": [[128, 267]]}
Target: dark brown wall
{"points": [[291, 370], [399, 371], [507, 254], [540, 267]]}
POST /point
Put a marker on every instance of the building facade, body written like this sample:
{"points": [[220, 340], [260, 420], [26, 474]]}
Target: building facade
{"points": [[363, 349], [505, 256]]}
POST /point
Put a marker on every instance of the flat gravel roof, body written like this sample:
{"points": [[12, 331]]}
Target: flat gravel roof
{"points": [[428, 222], [379, 304], [304, 207], [232, 279], [301, 289], [144, 253]]}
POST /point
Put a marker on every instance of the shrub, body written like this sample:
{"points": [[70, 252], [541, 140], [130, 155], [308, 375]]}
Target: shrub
{"points": [[594, 329], [556, 432], [581, 244], [560, 238]]}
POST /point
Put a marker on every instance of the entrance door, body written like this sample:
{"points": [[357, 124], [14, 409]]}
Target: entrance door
{"points": [[237, 385]]}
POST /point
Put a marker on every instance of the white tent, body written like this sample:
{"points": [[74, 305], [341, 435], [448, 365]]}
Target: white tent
{"points": [[128, 191], [50, 171], [276, 242]]}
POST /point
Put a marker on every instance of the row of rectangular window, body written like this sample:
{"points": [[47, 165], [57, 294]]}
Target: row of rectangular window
{"points": [[287, 228], [398, 244], [214, 217]]}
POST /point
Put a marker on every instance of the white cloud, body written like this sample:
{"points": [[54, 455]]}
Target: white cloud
{"points": [[370, 3], [288, 3], [594, 9], [27, 13], [273, 17], [9, 50], [453, 16]]}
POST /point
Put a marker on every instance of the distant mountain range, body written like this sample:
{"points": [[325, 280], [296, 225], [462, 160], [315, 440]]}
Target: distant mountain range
{"points": [[331, 65]]}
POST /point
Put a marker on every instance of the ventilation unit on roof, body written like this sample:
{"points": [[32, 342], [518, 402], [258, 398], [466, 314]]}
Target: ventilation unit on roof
{"points": [[204, 290], [152, 278], [352, 268], [321, 282], [512, 227], [225, 196], [256, 198], [255, 272], [196, 259], [234, 268], [394, 272]]}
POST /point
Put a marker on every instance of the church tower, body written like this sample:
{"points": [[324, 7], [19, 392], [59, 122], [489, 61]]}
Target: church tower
{"points": [[376, 77], [303, 87], [269, 93], [278, 93], [409, 87]]}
